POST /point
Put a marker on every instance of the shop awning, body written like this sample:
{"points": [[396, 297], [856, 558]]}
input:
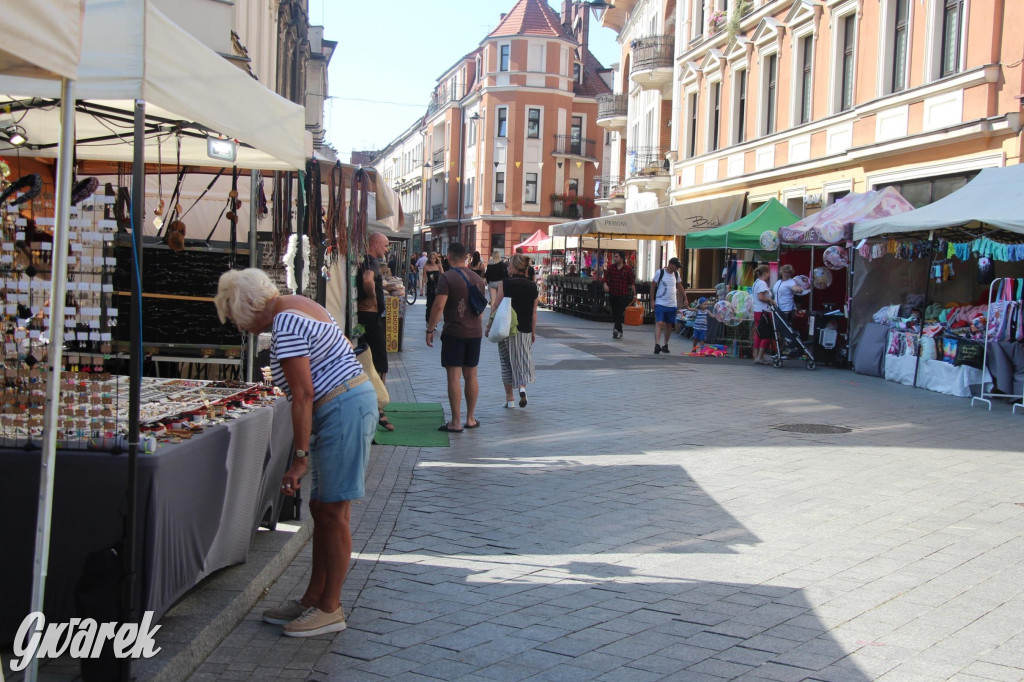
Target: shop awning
{"points": [[835, 222], [746, 232], [995, 198], [42, 38], [131, 50], [572, 243], [659, 223]]}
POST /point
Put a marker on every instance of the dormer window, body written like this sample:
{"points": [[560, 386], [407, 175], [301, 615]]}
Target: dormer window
{"points": [[577, 72]]}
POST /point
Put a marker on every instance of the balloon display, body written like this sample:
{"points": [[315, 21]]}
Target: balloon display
{"points": [[770, 240], [835, 258], [822, 278]]}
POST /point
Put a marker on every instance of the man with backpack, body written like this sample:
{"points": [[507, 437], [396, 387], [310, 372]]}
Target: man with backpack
{"points": [[460, 299], [667, 286]]}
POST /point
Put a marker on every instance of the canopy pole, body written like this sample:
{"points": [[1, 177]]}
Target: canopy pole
{"points": [[810, 303], [138, 211], [55, 355], [920, 324], [254, 198]]}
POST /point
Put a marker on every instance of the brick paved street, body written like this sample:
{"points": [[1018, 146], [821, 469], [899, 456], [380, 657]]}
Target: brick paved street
{"points": [[642, 519]]}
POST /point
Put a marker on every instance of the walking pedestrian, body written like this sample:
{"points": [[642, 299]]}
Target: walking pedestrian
{"points": [[460, 339], [620, 285], [762, 306], [516, 351], [332, 407], [668, 286], [495, 274], [431, 273], [421, 262], [476, 264], [370, 310]]}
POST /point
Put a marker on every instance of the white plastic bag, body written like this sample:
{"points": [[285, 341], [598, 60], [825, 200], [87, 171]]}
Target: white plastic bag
{"points": [[501, 322]]}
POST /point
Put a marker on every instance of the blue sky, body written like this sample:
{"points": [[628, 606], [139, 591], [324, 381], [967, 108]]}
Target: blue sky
{"points": [[392, 51]]}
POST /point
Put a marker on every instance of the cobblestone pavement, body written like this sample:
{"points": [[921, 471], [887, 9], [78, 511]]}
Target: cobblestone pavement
{"points": [[643, 518]]}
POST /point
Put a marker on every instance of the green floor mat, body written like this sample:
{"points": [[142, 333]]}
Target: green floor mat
{"points": [[415, 426]]}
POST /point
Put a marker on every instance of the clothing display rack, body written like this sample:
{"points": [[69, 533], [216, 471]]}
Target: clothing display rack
{"points": [[1005, 316]]}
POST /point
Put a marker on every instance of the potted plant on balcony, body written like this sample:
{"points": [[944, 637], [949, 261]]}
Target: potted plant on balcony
{"points": [[716, 21]]}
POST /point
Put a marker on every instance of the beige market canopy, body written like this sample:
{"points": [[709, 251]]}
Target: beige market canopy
{"points": [[572, 243], [659, 223], [41, 38], [130, 51]]}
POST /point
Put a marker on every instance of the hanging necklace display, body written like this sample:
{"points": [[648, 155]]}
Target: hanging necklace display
{"points": [[158, 212]]}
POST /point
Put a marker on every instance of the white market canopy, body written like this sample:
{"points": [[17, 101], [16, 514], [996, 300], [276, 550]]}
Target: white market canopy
{"points": [[41, 38], [995, 198], [573, 243], [131, 50], [659, 223]]}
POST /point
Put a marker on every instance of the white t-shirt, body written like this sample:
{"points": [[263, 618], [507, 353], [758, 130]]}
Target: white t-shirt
{"points": [[759, 305], [784, 294], [420, 262], [666, 294]]}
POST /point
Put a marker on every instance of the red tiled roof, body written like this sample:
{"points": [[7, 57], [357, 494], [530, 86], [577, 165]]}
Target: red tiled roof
{"points": [[531, 17], [592, 84]]}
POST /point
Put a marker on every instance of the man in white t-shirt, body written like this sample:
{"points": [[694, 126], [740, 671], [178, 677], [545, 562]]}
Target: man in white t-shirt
{"points": [[666, 289], [420, 264]]}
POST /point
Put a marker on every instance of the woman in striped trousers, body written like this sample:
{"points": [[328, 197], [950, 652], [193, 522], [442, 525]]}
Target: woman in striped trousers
{"points": [[516, 351]]}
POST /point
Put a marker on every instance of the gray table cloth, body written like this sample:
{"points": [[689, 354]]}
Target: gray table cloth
{"points": [[200, 503]]}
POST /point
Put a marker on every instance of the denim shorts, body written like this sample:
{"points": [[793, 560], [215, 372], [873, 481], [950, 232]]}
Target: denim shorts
{"points": [[665, 313], [339, 447]]}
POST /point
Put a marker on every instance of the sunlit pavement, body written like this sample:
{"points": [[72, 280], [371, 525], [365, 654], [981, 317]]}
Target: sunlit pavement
{"points": [[643, 518]]}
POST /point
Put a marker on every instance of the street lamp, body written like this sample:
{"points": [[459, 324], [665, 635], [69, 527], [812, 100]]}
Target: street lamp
{"points": [[599, 7]]}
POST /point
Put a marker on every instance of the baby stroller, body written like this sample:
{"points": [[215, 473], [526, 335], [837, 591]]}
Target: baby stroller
{"points": [[788, 343]]}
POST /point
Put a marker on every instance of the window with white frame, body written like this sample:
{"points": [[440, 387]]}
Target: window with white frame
{"points": [[691, 125], [949, 48], [896, 45], [739, 98], [533, 123], [471, 132], [530, 191], [804, 78], [504, 53], [469, 192], [769, 93], [698, 19], [714, 115], [499, 187], [502, 128], [845, 47], [535, 57]]}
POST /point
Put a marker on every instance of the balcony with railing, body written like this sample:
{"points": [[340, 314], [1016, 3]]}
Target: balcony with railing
{"points": [[572, 206], [648, 168], [610, 192], [440, 99], [652, 59], [612, 111], [436, 213], [437, 161], [570, 145]]}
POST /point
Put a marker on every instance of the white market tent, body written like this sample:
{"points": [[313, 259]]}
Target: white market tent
{"points": [[658, 223], [573, 243], [42, 39], [132, 51], [995, 199]]}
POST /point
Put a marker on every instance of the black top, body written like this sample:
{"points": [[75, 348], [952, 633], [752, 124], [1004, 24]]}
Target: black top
{"points": [[523, 293], [373, 265], [496, 272]]}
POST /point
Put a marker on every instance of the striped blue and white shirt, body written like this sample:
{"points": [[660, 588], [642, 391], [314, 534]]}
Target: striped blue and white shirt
{"points": [[331, 358]]}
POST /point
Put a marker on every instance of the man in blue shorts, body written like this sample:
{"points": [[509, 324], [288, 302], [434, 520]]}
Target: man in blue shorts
{"points": [[460, 339], [666, 287]]}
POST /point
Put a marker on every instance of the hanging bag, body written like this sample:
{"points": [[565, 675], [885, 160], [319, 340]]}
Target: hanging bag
{"points": [[501, 321], [477, 301]]}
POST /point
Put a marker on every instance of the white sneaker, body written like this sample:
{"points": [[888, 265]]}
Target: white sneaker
{"points": [[510, 403], [313, 622]]}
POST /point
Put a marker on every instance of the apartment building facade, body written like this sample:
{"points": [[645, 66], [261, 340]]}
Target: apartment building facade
{"points": [[807, 100], [509, 142]]}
